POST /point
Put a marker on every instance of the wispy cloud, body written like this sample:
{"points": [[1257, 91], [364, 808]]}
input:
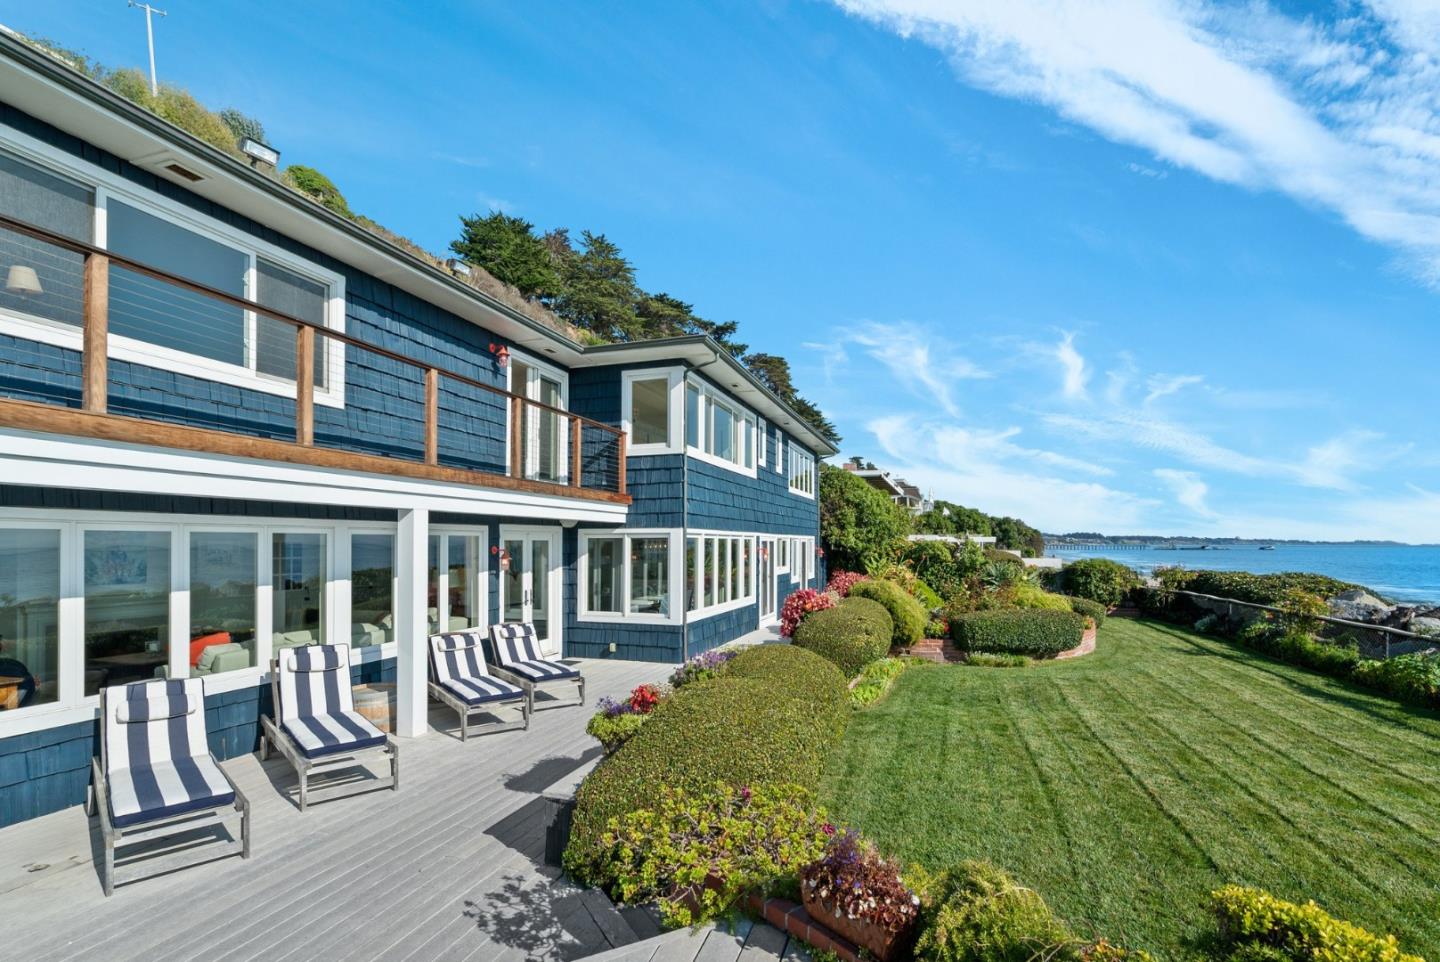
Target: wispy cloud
{"points": [[461, 160], [1342, 115], [1162, 385], [1075, 373], [917, 364], [1189, 490]]}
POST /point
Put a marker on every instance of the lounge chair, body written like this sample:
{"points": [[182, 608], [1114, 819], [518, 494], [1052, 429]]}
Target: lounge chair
{"points": [[319, 729], [460, 678], [518, 660], [155, 775]]}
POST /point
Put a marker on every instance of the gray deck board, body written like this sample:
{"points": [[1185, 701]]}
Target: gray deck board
{"points": [[446, 868]]}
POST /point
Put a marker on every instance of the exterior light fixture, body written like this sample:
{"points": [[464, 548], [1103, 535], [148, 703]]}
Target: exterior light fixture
{"points": [[501, 352], [458, 266], [255, 150], [23, 280]]}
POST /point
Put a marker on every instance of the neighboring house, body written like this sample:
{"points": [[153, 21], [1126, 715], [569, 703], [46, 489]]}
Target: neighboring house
{"points": [[896, 489], [232, 421], [955, 539]]}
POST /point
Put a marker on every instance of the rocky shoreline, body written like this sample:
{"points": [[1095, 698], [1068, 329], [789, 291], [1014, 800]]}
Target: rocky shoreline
{"points": [[1360, 605]]}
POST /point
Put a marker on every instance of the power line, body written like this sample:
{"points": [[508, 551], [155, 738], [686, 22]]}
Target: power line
{"points": [[150, 39]]}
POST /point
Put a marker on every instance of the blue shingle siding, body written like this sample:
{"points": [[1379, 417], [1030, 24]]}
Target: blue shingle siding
{"points": [[384, 410], [589, 639], [716, 630]]}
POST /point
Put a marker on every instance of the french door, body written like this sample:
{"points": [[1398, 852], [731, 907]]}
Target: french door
{"points": [[545, 446], [765, 590], [531, 581]]}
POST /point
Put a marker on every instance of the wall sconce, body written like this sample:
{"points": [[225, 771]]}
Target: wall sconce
{"points": [[819, 551], [501, 352], [23, 280]]}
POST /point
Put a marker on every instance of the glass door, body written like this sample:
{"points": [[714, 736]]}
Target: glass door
{"points": [[456, 594], [545, 440], [769, 612], [530, 579]]}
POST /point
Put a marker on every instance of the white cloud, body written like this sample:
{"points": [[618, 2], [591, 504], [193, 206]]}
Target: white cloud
{"points": [[1188, 489], [917, 364], [1164, 384], [1345, 116], [1075, 374]]}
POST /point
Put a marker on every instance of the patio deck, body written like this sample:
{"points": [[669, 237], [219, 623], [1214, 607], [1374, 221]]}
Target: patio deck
{"points": [[447, 868]]}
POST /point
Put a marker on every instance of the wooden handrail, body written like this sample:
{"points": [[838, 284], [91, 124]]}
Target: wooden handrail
{"points": [[91, 251]]}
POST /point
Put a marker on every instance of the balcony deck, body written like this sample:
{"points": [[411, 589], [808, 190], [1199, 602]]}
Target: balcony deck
{"points": [[449, 867]]}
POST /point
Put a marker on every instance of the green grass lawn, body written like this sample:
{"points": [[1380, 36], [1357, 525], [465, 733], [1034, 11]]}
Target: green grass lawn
{"points": [[1126, 785]]}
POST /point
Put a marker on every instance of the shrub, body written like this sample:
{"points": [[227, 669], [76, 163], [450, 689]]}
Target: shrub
{"points": [[977, 913], [852, 634], [907, 616], [1099, 579], [1090, 609], [318, 187], [1268, 589], [935, 564], [1025, 631], [699, 853], [1303, 933], [1033, 596], [842, 581], [926, 595], [242, 125], [985, 659], [1412, 678], [860, 527], [805, 601], [614, 730], [875, 681], [908, 580], [854, 879], [771, 716], [937, 628], [1301, 610], [1298, 648], [704, 665]]}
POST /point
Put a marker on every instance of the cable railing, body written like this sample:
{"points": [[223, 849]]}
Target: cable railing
{"points": [[183, 355]]}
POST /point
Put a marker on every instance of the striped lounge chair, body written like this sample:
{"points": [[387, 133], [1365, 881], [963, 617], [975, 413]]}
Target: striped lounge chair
{"points": [[460, 678], [155, 775], [319, 729], [518, 660]]}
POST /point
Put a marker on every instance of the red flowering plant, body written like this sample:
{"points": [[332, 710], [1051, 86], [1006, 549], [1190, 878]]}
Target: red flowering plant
{"points": [[842, 581], [854, 880], [644, 699], [801, 603]]}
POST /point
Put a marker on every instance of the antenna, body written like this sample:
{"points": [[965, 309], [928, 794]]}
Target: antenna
{"points": [[150, 39]]}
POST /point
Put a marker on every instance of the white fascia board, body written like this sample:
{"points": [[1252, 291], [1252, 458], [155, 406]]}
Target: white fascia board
{"points": [[42, 460]]}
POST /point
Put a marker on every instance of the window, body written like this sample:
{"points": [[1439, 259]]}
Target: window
{"points": [[545, 432], [456, 590], [35, 196], [627, 574], [372, 589], [762, 439], [289, 293], [724, 566], [650, 400], [223, 584], [298, 589], [127, 606], [802, 472], [779, 452], [782, 554], [719, 431], [29, 617]]}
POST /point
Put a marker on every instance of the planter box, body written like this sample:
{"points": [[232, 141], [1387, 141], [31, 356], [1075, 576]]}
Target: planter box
{"points": [[881, 943]]}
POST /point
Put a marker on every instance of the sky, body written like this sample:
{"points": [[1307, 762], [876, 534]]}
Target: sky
{"points": [[1158, 267]]}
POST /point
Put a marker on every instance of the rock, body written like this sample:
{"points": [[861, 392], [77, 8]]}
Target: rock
{"points": [[1425, 626], [1359, 605]]}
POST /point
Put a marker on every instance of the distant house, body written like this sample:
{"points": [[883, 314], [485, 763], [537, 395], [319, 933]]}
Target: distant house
{"points": [[955, 539], [234, 421], [896, 489]]}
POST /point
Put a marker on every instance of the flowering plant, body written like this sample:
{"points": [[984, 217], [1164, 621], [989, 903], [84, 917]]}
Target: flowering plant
{"points": [[702, 666], [801, 603], [842, 581], [614, 722], [855, 881], [644, 699]]}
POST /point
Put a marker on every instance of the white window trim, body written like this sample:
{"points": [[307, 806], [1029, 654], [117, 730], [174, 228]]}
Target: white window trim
{"points": [[748, 577], [539, 367], [762, 440], [675, 391], [707, 393], [779, 451], [675, 538], [73, 705], [798, 454], [107, 185], [482, 571]]}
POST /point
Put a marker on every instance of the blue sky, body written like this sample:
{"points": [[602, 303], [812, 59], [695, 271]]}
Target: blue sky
{"points": [[1154, 267]]}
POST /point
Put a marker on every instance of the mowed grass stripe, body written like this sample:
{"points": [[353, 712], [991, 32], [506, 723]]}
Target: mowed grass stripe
{"points": [[1126, 785]]}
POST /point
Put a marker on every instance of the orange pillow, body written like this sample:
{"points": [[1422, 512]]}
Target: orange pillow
{"points": [[198, 645]]}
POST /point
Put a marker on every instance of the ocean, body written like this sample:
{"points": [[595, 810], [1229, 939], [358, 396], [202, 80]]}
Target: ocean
{"points": [[1409, 573]]}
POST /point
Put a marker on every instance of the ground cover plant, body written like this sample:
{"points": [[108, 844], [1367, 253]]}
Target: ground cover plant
{"points": [[1128, 785]]}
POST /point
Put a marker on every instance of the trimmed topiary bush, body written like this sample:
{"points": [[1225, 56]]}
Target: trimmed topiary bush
{"points": [[907, 615], [1251, 919], [852, 634], [1035, 632], [1088, 608], [1099, 579], [770, 717], [977, 913], [1027, 595]]}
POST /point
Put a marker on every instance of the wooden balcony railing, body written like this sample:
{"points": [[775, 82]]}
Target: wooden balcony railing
{"points": [[398, 415]]}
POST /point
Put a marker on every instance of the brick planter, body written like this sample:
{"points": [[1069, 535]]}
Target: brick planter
{"points": [[794, 919], [1087, 645], [881, 943]]}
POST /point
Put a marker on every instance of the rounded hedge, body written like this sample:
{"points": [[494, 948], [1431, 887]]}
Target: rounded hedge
{"points": [[1036, 632], [1088, 608], [1098, 579], [907, 615], [771, 716], [852, 634]]}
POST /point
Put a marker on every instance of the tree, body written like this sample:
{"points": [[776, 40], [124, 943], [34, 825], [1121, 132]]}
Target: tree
{"points": [[597, 286], [1016, 535], [508, 249], [242, 125], [860, 528], [773, 371]]}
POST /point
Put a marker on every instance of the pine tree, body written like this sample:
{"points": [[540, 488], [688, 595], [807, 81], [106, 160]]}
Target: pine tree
{"points": [[508, 249]]}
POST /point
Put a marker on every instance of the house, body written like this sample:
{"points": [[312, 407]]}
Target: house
{"points": [[233, 421], [902, 492]]}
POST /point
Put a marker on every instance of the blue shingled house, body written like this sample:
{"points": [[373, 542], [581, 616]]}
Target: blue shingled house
{"points": [[233, 421]]}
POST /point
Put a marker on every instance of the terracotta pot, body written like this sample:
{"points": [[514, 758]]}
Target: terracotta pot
{"points": [[882, 943]]}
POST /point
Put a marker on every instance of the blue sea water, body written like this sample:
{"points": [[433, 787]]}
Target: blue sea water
{"points": [[1409, 573]]}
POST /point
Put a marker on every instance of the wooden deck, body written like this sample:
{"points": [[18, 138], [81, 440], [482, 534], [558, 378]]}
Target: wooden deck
{"points": [[447, 868], [739, 942]]}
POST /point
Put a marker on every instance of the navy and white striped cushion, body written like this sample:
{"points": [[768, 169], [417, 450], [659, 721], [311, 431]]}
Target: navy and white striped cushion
{"points": [[317, 705], [542, 670], [157, 760], [518, 650], [458, 665]]}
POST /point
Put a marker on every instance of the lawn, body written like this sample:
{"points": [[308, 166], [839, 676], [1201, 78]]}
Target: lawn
{"points": [[1126, 785]]}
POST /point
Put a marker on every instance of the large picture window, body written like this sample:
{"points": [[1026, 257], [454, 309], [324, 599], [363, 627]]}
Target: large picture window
{"points": [[298, 588], [29, 617], [719, 431], [372, 589], [650, 402], [720, 572], [223, 594], [33, 195], [628, 574], [127, 606]]}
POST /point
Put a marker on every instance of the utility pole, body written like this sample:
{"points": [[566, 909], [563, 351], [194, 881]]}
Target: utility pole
{"points": [[150, 39]]}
